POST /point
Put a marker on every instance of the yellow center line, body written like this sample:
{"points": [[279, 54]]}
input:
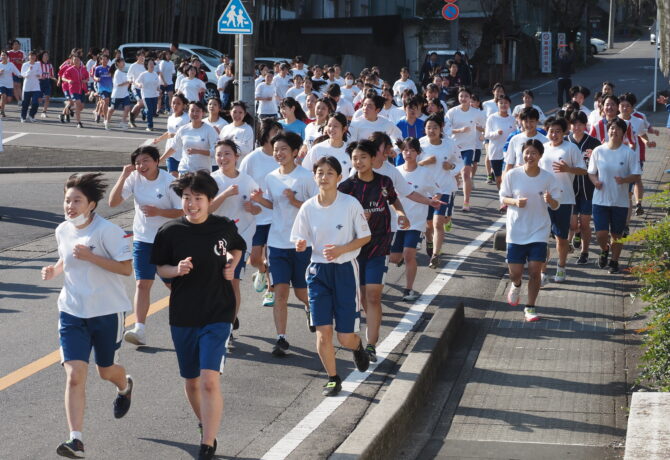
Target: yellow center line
{"points": [[52, 358]]}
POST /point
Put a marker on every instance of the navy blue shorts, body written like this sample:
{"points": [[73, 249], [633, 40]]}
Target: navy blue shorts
{"points": [[334, 295], [167, 88], [260, 238], [172, 165], [560, 220], [373, 270], [497, 167], [45, 86], [144, 269], [445, 209], [610, 219], [16, 79], [468, 156], [478, 156], [138, 94], [78, 336], [288, 266], [105, 94], [240, 268], [200, 348], [582, 207], [76, 96], [406, 239], [9, 92], [522, 253], [119, 103]]}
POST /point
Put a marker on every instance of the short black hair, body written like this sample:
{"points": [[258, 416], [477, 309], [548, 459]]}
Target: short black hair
{"points": [[529, 113], [330, 161], [578, 117], [628, 97], [560, 122], [363, 145], [412, 143], [293, 140], [267, 126], [534, 143], [619, 123], [334, 90], [504, 97], [198, 104], [228, 141], [529, 92], [198, 182], [92, 185], [146, 150]]}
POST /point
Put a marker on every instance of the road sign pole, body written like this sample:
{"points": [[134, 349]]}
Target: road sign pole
{"points": [[656, 41], [240, 67]]}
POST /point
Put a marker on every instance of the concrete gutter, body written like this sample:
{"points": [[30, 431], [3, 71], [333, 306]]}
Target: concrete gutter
{"points": [[648, 434], [383, 429]]}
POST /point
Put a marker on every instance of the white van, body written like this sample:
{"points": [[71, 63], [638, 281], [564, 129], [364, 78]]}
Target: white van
{"points": [[209, 57]]}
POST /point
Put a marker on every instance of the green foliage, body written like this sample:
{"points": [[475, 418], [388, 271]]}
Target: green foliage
{"points": [[653, 271]]}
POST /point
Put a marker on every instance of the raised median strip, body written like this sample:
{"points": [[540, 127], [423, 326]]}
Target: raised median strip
{"points": [[648, 436]]}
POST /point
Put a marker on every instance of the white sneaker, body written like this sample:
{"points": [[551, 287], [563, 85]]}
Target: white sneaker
{"points": [[230, 343], [31, 119], [269, 299], [410, 295], [513, 295], [43, 115], [560, 274], [106, 125], [530, 315], [544, 280], [259, 281], [135, 336]]}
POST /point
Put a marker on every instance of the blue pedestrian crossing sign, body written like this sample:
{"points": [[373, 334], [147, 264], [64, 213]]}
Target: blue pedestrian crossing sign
{"points": [[235, 20]]}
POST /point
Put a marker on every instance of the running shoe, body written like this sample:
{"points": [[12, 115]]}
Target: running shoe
{"points": [[409, 295], [207, 452], [73, 448], [513, 295], [626, 231], [269, 299], [332, 388], [132, 119], [106, 126], [2, 114], [122, 402], [613, 267], [309, 321], [466, 207], [259, 281], [236, 323], [434, 261], [61, 117], [230, 343], [135, 336], [144, 115], [544, 280], [372, 352], [602, 260], [23, 120], [149, 129], [67, 117], [583, 258], [80, 125], [638, 209], [31, 119], [447, 227], [361, 358], [280, 347], [429, 248], [98, 118], [43, 115], [577, 241], [490, 180], [530, 315], [560, 274]]}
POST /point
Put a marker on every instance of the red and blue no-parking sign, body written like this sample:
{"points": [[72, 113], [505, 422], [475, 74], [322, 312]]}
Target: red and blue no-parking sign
{"points": [[450, 11]]}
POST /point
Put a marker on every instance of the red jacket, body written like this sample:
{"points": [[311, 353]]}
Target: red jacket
{"points": [[78, 77]]}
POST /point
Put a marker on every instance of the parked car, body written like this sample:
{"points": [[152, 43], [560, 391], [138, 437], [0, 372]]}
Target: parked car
{"points": [[598, 45], [209, 57]]}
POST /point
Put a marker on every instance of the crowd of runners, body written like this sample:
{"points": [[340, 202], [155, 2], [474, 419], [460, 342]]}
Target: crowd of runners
{"points": [[338, 176]]}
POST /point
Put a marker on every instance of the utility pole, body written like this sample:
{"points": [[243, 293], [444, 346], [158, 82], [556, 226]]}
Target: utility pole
{"points": [[610, 32]]}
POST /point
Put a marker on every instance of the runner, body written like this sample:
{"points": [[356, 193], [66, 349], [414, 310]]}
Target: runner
{"points": [[192, 87], [334, 144], [166, 72], [233, 201], [8, 72], [46, 81], [514, 154], [476, 104], [499, 125], [528, 97], [265, 96], [564, 161], [120, 95], [31, 72], [16, 57], [176, 120], [362, 128], [376, 193], [490, 107], [214, 112], [240, 130], [93, 255], [323, 109], [334, 225], [612, 167], [294, 118], [148, 82], [410, 125], [527, 191], [222, 84], [103, 78], [134, 71], [155, 204], [402, 84], [76, 76], [286, 189], [258, 164], [199, 252]]}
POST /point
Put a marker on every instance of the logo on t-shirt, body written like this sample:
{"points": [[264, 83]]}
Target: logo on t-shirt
{"points": [[385, 192], [339, 226], [621, 163], [220, 247], [159, 196]]}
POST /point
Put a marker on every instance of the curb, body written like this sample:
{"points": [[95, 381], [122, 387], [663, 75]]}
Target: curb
{"points": [[37, 169], [379, 434]]}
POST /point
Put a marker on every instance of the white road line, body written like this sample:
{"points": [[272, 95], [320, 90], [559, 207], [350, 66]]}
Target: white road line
{"points": [[81, 136], [533, 89], [644, 101], [628, 46], [11, 138], [307, 425]]}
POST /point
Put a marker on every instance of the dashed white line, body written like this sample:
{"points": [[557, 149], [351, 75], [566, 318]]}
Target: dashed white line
{"points": [[11, 138]]}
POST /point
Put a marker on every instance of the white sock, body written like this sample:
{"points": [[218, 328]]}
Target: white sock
{"points": [[281, 336], [75, 435], [139, 327]]}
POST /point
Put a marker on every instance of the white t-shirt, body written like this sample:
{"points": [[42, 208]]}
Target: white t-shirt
{"points": [[150, 192], [294, 92], [258, 165], [150, 84], [175, 122], [399, 86], [311, 133], [393, 113], [233, 206], [495, 123], [266, 107], [338, 224], [31, 74], [400, 185], [221, 84], [517, 110], [218, 125], [88, 290], [569, 153], [242, 135], [90, 64], [530, 224], [470, 118], [362, 128], [608, 164], [8, 70], [203, 138], [302, 183], [489, 107], [119, 92], [191, 88], [446, 151], [350, 93], [166, 69], [296, 71], [345, 107], [134, 71], [281, 84], [422, 181], [514, 153], [220, 69], [324, 149]]}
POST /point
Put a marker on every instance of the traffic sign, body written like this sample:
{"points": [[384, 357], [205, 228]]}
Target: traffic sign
{"points": [[235, 20], [450, 12]]}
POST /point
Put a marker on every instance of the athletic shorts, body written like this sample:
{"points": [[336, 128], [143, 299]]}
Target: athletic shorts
{"points": [[167, 88], [67, 95], [560, 220], [288, 266], [105, 94], [16, 79], [497, 167], [241, 267], [373, 270], [138, 94], [172, 164], [7, 91], [200, 348], [334, 295], [445, 209], [78, 336], [119, 103], [76, 96], [144, 269], [406, 239], [522, 253], [582, 207], [260, 238], [468, 156], [45, 86], [610, 219], [91, 87], [478, 156]]}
